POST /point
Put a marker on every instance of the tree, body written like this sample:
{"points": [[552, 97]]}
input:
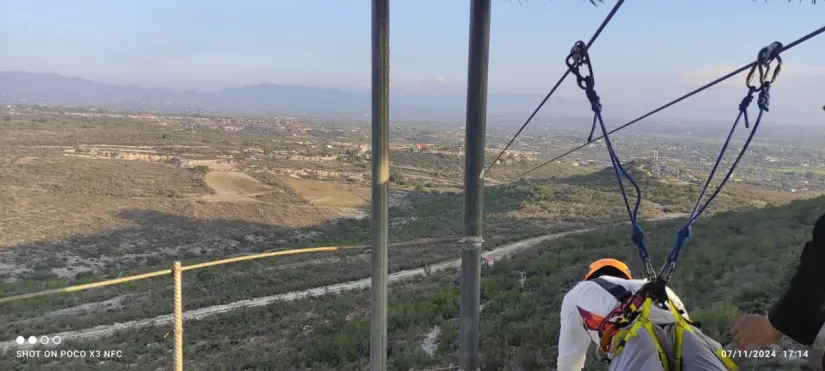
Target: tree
{"points": [[396, 178]]}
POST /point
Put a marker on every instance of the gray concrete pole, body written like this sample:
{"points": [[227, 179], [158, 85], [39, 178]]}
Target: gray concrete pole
{"points": [[477, 64], [380, 179]]}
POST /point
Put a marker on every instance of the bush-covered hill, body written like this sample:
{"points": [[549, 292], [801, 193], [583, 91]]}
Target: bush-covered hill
{"points": [[580, 201], [735, 262], [673, 187], [512, 212]]}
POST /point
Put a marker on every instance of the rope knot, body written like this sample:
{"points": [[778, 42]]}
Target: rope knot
{"points": [[683, 235], [592, 96], [638, 235], [681, 238], [765, 97], [746, 101]]}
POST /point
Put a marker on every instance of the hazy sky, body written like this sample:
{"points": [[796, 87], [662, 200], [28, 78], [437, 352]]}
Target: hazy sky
{"points": [[650, 49]]}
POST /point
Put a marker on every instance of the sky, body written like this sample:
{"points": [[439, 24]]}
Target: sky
{"points": [[650, 48]]}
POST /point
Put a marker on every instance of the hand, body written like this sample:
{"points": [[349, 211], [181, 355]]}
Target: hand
{"points": [[755, 331]]}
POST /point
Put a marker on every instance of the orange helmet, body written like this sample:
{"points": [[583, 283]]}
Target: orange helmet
{"points": [[607, 262]]}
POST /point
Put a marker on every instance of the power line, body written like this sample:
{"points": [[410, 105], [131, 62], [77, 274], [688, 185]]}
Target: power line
{"points": [[668, 105], [558, 83]]}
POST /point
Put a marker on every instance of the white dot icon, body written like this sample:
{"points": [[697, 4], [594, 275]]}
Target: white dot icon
{"points": [[21, 340], [32, 340]]}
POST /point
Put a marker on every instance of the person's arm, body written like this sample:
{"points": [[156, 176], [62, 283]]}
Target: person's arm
{"points": [[820, 337], [800, 313], [573, 338]]}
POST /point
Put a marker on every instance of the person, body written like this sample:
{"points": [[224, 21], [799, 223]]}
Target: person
{"points": [[800, 312], [590, 308]]}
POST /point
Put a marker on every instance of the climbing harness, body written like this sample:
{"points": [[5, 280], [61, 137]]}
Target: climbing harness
{"points": [[622, 336], [577, 58], [615, 335]]}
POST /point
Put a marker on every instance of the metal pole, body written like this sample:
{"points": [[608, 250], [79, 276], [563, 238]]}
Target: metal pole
{"points": [[474, 183], [380, 179], [177, 273]]}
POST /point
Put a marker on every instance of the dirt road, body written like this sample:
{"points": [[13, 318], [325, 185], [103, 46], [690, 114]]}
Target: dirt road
{"points": [[105, 330]]}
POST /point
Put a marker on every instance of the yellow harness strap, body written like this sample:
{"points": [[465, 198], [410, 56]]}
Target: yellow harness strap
{"points": [[682, 325], [641, 321]]}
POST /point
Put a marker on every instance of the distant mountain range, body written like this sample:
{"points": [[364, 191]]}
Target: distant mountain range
{"points": [[17, 87]]}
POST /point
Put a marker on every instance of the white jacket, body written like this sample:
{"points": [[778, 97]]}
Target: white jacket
{"points": [[583, 309]]}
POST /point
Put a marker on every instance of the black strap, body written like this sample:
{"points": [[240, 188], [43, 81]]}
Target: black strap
{"points": [[618, 291]]}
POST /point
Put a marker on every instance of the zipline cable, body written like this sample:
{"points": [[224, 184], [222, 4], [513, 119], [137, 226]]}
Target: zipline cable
{"points": [[671, 103], [556, 86]]}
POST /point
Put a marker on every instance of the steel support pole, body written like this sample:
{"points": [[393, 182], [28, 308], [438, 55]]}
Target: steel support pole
{"points": [[380, 182], [477, 63]]}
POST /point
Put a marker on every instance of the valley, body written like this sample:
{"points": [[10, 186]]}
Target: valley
{"points": [[92, 196]]}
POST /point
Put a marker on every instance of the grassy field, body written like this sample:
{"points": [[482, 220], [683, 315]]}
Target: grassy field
{"points": [[325, 193], [235, 183], [800, 170]]}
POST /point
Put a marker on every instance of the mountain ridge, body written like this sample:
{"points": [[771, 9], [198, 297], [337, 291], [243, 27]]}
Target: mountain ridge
{"points": [[267, 98]]}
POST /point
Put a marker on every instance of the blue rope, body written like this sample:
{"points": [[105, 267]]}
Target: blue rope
{"points": [[765, 56], [684, 233], [637, 234], [577, 58]]}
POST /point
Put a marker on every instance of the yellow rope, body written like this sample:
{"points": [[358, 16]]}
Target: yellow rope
{"points": [[177, 272], [210, 264], [87, 286], [163, 273], [261, 255]]}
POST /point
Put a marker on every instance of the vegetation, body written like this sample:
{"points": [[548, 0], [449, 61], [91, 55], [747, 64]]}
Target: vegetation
{"points": [[674, 189], [514, 212], [91, 195], [736, 262], [200, 169]]}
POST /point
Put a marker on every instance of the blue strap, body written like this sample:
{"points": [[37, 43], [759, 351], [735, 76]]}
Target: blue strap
{"points": [[765, 56], [638, 234], [684, 233], [577, 58]]}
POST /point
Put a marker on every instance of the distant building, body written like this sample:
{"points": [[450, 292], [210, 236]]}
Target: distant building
{"points": [[421, 147]]}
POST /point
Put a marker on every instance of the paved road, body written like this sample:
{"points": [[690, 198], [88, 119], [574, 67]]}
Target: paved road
{"points": [[106, 330], [487, 181]]}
